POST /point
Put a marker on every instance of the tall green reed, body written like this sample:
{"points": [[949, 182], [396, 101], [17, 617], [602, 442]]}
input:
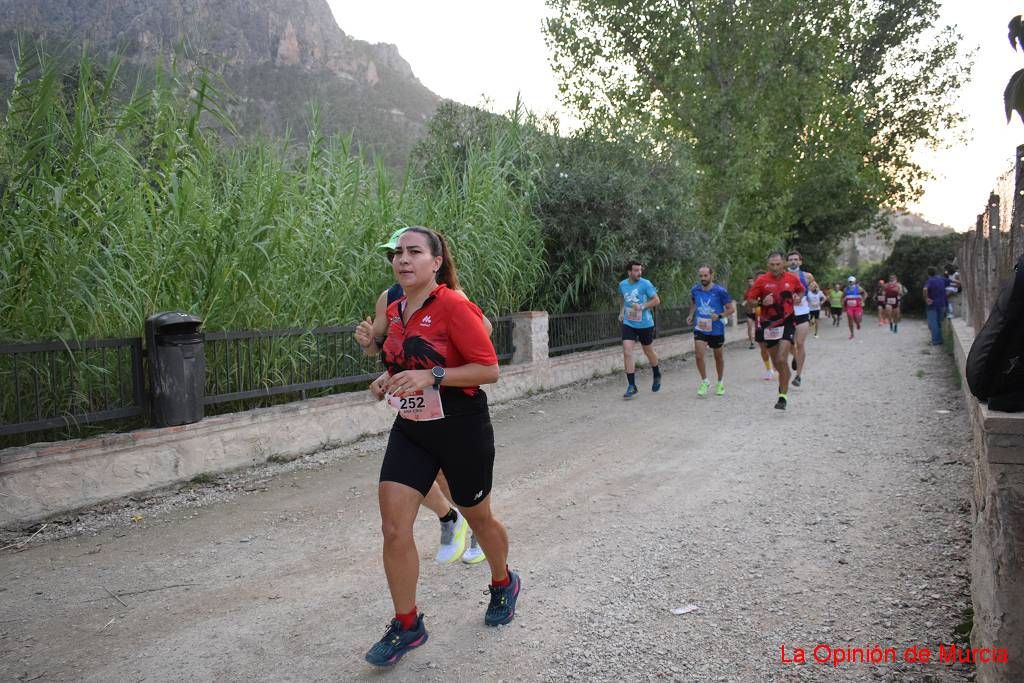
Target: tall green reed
{"points": [[118, 202]]}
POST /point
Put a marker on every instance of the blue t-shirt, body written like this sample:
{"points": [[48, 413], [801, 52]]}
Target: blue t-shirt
{"points": [[854, 291], [706, 303], [936, 287], [639, 292]]}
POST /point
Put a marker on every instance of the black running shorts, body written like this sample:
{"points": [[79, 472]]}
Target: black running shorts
{"points": [[815, 315], [461, 445], [715, 341], [801, 319], [644, 335], [788, 333]]}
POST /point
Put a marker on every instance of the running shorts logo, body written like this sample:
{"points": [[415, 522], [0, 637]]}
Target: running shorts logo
{"points": [[479, 495]]}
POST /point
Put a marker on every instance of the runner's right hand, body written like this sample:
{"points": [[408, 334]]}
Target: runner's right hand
{"points": [[364, 333]]}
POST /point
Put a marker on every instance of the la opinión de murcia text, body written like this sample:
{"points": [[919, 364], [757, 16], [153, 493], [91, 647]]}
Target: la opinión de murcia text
{"points": [[823, 653]]}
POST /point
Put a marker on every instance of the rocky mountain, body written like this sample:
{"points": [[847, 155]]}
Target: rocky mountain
{"points": [[275, 55], [874, 247]]}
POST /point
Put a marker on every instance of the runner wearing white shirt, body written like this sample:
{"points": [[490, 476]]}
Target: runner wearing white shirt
{"points": [[815, 298], [802, 316]]}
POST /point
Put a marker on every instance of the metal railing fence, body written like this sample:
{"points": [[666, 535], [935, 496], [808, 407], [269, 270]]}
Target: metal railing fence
{"points": [[51, 386], [254, 364], [61, 385], [501, 336], [569, 332]]}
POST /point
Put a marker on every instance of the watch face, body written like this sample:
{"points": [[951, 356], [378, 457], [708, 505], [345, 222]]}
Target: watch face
{"points": [[438, 372]]}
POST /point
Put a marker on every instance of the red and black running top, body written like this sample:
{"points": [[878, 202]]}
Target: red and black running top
{"points": [[893, 291], [447, 331], [782, 288]]}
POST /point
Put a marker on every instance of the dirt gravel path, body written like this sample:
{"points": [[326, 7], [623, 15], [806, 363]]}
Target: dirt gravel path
{"points": [[841, 522]]}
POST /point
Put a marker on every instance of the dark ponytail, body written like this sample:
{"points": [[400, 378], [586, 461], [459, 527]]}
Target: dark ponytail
{"points": [[447, 274]]}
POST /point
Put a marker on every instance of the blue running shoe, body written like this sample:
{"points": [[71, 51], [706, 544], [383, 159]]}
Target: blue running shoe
{"points": [[396, 642], [631, 391], [503, 602], [656, 384]]}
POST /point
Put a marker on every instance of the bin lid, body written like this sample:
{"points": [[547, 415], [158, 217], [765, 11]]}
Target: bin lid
{"points": [[160, 320]]}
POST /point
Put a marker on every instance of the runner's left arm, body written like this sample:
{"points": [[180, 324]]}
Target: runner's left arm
{"points": [[730, 309]]}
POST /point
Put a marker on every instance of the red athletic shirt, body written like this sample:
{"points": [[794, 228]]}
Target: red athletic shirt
{"points": [[447, 331], [782, 289], [893, 291]]}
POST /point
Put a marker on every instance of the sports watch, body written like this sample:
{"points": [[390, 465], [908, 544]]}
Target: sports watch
{"points": [[438, 372]]}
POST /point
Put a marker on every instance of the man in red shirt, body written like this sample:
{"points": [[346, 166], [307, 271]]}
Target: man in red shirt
{"points": [[776, 292], [893, 298]]}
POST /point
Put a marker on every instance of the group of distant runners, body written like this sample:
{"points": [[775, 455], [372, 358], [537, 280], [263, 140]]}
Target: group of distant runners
{"points": [[782, 306], [435, 346]]}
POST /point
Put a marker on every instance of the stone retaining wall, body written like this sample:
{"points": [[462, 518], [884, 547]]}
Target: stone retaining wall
{"points": [[997, 545]]}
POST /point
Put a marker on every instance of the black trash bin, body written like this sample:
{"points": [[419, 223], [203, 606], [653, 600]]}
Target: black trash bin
{"points": [[177, 368]]}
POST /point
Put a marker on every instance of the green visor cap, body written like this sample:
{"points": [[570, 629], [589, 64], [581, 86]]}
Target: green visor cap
{"points": [[392, 242]]}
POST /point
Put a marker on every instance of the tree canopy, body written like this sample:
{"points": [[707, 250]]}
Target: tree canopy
{"points": [[803, 115]]}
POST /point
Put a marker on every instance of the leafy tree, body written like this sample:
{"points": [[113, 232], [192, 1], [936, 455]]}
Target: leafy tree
{"points": [[802, 114], [603, 203]]}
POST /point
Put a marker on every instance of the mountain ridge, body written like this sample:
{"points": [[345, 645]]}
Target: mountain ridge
{"points": [[275, 55]]}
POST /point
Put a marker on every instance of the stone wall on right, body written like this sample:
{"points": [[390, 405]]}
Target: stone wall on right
{"points": [[997, 534]]}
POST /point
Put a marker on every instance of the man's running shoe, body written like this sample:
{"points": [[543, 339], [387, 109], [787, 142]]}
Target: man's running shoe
{"points": [[720, 389], [751, 345], [502, 608], [631, 391], [702, 390], [768, 376], [656, 384], [796, 381], [781, 403], [474, 553], [396, 642], [453, 539]]}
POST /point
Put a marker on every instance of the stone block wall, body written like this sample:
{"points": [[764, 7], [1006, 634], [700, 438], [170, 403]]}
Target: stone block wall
{"points": [[997, 535]]}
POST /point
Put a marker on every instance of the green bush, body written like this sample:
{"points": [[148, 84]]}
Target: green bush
{"points": [[910, 258]]}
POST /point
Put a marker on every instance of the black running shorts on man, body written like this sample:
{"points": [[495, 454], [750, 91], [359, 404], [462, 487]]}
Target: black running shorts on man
{"points": [[715, 341], [644, 335], [788, 331]]}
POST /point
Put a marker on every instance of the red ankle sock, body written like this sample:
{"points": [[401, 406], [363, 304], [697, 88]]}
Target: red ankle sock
{"points": [[503, 582], [407, 620]]}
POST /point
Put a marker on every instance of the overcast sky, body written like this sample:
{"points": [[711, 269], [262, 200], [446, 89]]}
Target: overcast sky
{"points": [[490, 51]]}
